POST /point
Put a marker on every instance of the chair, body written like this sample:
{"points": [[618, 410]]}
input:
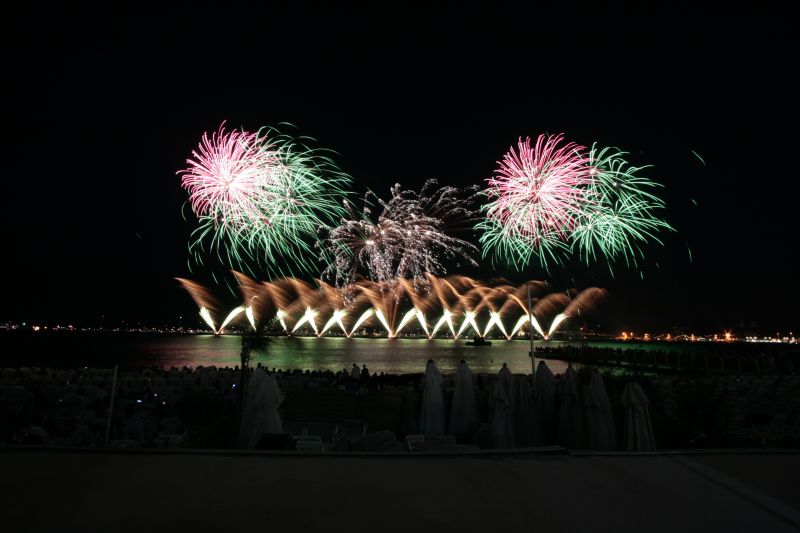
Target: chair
{"points": [[349, 429], [308, 443], [414, 443], [169, 440]]}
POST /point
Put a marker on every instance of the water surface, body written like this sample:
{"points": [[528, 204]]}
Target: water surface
{"points": [[404, 355]]}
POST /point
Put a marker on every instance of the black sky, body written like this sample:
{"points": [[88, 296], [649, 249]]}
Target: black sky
{"points": [[105, 107]]}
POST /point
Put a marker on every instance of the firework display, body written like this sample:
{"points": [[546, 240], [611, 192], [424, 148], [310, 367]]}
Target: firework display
{"points": [[554, 199], [535, 199], [621, 214], [452, 306], [266, 203], [260, 199], [412, 236]]}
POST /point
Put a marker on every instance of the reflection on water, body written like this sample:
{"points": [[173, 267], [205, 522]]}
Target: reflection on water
{"points": [[405, 355]]}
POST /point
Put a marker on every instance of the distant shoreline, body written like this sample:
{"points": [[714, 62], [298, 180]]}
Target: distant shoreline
{"points": [[588, 339]]}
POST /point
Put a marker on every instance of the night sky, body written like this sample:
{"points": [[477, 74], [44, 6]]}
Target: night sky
{"points": [[105, 107]]}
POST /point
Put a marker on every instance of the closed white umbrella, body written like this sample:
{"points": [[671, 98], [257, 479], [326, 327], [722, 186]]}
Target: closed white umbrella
{"points": [[250, 408], [463, 414], [260, 411], [432, 416], [638, 429], [502, 402], [596, 431], [523, 422], [570, 417], [273, 398], [544, 390], [600, 397]]}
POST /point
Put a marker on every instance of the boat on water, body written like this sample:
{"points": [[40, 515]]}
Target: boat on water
{"points": [[478, 341]]}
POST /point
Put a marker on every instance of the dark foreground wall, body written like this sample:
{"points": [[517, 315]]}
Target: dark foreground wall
{"points": [[46, 490]]}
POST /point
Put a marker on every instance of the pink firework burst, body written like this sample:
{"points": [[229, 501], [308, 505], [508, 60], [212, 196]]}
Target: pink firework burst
{"points": [[226, 176], [538, 192]]}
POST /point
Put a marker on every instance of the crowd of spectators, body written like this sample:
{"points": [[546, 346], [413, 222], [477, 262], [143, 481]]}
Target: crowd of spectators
{"points": [[167, 407]]}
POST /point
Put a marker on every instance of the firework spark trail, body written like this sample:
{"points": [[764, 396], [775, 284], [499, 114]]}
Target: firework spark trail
{"points": [[201, 295], [543, 183], [208, 304], [428, 220], [555, 199], [260, 199], [535, 198], [622, 213], [698, 157], [581, 304], [227, 176], [412, 237], [358, 244], [453, 305]]}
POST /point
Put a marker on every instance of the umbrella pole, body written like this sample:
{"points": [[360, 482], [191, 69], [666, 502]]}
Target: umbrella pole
{"points": [[111, 406], [530, 319]]}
